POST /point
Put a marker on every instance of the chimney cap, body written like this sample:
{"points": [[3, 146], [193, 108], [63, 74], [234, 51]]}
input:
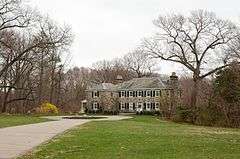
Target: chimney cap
{"points": [[174, 74]]}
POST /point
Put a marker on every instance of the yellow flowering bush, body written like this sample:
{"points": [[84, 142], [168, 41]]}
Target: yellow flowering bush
{"points": [[48, 108]]}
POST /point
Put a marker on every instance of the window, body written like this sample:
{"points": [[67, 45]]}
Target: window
{"points": [[122, 94], [152, 106], [95, 94], [157, 106], [153, 93], [148, 93], [134, 93], [122, 106], [157, 93], [95, 106], [127, 106], [148, 106], [130, 94], [139, 93], [140, 105]]}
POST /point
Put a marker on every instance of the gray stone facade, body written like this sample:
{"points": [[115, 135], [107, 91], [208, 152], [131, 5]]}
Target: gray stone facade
{"points": [[138, 94]]}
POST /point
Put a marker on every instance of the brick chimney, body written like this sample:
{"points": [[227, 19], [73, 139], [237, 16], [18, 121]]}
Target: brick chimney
{"points": [[174, 102], [119, 79], [174, 81]]}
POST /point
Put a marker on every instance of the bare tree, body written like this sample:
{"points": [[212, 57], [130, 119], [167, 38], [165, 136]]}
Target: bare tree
{"points": [[234, 49], [23, 52], [139, 62], [198, 42], [52, 37], [12, 15], [107, 71], [74, 84]]}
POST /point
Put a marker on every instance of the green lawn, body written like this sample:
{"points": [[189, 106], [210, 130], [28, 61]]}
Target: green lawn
{"points": [[14, 120], [143, 137]]}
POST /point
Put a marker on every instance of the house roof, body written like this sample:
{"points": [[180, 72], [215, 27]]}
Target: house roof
{"points": [[136, 83], [102, 86], [143, 83]]}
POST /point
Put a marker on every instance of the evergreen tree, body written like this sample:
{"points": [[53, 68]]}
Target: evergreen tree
{"points": [[227, 84]]}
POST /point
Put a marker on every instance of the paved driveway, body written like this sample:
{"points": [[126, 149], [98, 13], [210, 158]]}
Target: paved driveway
{"points": [[15, 141]]}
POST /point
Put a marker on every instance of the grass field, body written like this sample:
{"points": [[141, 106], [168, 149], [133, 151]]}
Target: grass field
{"points": [[143, 137], [14, 120]]}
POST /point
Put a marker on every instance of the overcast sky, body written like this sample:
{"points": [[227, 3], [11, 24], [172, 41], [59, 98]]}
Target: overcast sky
{"points": [[105, 29]]}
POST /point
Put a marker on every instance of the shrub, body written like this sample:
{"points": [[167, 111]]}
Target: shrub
{"points": [[94, 111], [158, 113], [148, 113], [48, 108], [183, 114], [110, 112]]}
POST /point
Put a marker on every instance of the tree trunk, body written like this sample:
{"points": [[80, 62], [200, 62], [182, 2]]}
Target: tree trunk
{"points": [[40, 87], [52, 83], [59, 87], [194, 94], [4, 106]]}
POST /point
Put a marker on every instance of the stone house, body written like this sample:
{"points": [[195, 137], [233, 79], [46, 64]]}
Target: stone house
{"points": [[138, 94]]}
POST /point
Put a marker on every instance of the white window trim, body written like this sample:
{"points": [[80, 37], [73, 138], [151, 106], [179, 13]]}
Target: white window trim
{"points": [[148, 95], [95, 94], [139, 92], [122, 106], [157, 105], [140, 104], [157, 93], [148, 104], [122, 94], [130, 92], [95, 104]]}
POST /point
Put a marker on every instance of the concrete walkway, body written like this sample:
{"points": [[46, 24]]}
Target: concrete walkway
{"points": [[15, 141]]}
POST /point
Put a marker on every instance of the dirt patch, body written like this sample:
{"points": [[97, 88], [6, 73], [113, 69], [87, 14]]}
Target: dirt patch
{"points": [[219, 131]]}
